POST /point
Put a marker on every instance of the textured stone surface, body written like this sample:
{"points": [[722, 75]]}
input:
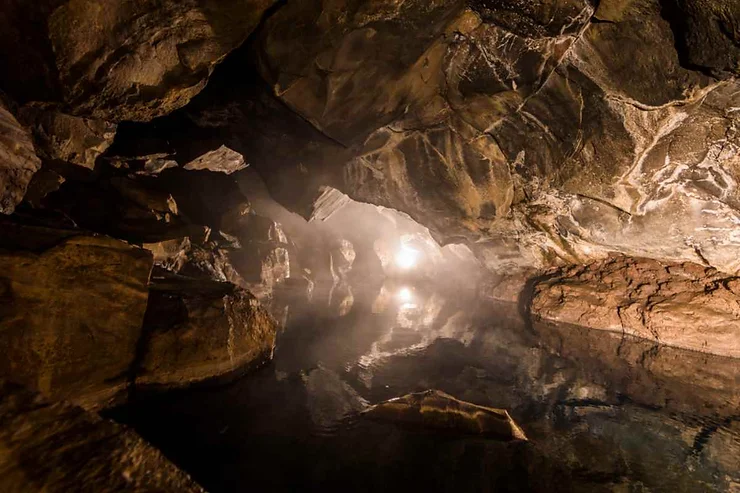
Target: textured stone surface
{"points": [[56, 447], [18, 162], [683, 305], [221, 160], [544, 132], [436, 410], [198, 329], [68, 138], [71, 311], [119, 59]]}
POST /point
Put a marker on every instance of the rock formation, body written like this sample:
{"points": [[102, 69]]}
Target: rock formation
{"points": [[18, 161], [197, 330], [436, 410], [57, 447], [71, 312], [683, 305], [119, 60], [587, 153]]}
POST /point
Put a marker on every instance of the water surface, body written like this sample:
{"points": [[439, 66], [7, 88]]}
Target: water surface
{"points": [[603, 412]]}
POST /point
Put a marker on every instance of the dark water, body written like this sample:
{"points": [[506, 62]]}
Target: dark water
{"points": [[603, 413]]}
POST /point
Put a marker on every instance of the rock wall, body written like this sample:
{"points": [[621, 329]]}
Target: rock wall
{"points": [[682, 305]]}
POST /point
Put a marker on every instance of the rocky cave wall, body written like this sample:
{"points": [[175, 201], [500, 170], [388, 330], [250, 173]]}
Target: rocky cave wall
{"points": [[543, 135]]}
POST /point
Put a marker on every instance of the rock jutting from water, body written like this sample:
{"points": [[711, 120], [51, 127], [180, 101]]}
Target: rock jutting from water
{"points": [[436, 410]]}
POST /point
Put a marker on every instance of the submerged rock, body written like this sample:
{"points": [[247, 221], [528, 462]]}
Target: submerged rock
{"points": [[57, 448], [683, 305], [436, 410]]}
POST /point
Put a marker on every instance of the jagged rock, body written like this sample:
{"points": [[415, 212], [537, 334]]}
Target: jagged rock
{"points": [[264, 259], [196, 259], [71, 310], [56, 447], [18, 162], [68, 138], [436, 410], [121, 60], [683, 305], [222, 160], [44, 182], [197, 329]]}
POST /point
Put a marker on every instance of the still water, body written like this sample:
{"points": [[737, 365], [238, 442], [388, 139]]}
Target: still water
{"points": [[603, 413]]}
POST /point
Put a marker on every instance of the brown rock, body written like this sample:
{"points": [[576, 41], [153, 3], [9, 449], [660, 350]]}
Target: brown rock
{"points": [[18, 161], [71, 314], [436, 410], [197, 329], [68, 138], [56, 447], [683, 305], [119, 59]]}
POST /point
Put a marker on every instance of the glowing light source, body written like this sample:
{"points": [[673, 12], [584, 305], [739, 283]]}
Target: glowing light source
{"points": [[405, 295], [406, 257]]}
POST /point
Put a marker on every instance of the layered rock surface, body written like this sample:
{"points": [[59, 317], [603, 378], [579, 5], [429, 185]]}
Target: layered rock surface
{"points": [[57, 447], [119, 60], [683, 305]]}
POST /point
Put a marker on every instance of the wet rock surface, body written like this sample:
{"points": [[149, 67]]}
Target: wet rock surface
{"points": [[434, 409], [195, 330], [57, 447], [683, 305]]}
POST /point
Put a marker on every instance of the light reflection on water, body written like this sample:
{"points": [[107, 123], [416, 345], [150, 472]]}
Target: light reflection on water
{"points": [[602, 413]]}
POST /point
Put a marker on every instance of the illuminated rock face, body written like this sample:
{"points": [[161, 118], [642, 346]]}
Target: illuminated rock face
{"points": [[576, 130], [436, 410], [682, 305]]}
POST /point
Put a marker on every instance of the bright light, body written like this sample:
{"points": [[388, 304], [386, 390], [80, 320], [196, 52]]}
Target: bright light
{"points": [[405, 295], [406, 257]]}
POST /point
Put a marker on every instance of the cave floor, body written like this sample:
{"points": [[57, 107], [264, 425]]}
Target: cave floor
{"points": [[602, 412]]}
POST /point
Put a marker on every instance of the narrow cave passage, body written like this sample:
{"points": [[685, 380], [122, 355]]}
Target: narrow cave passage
{"points": [[370, 245]]}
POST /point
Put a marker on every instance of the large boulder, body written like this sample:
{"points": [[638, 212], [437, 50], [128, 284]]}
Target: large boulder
{"points": [[683, 305], [197, 329], [71, 311], [18, 161], [119, 59], [56, 447]]}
